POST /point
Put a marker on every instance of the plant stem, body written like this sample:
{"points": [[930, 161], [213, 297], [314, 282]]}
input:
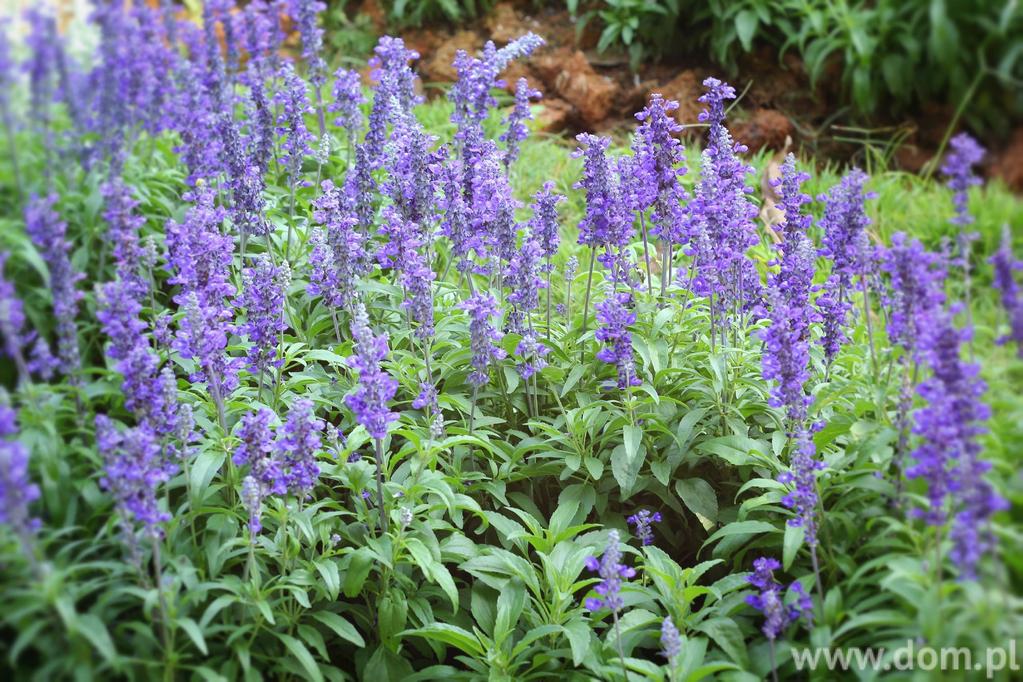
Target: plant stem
{"points": [[774, 665], [164, 620], [646, 255], [589, 284], [869, 324], [380, 485], [618, 641]]}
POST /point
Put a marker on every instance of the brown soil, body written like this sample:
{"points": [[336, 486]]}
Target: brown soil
{"points": [[586, 90]]}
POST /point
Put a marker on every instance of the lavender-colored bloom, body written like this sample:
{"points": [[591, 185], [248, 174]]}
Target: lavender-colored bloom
{"points": [[375, 387], [770, 602], [612, 571], [964, 154], [299, 442], [410, 183], [304, 12], [200, 258], [544, 224], [671, 641], [133, 472], [1005, 266], [493, 206], [533, 354], [523, 278], [482, 307], [293, 100], [427, 397], [792, 199], [643, 520], [916, 292], [657, 167], [257, 450], [348, 100], [722, 228], [48, 233], [395, 93], [123, 225], [516, 120], [455, 216], [845, 242], [338, 255], [252, 499], [264, 290], [802, 475], [405, 517], [17, 491], [12, 323], [604, 224], [614, 318], [948, 455]]}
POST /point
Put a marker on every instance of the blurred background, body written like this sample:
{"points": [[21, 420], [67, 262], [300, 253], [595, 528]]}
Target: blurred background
{"points": [[880, 83]]}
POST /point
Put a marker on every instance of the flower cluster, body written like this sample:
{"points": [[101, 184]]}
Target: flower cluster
{"points": [[516, 120], [375, 387], [1005, 267], [264, 288], [133, 472], [612, 571], [643, 520], [49, 234], [482, 308], [614, 316], [964, 154], [659, 165], [17, 491], [770, 599]]}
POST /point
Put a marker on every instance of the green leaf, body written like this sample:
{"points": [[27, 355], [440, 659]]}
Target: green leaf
{"points": [[700, 498], [358, 570], [92, 628], [625, 468], [742, 528], [331, 577], [194, 633], [340, 626], [745, 27], [793, 541], [302, 655], [726, 634], [451, 635], [509, 607], [578, 633], [204, 468]]}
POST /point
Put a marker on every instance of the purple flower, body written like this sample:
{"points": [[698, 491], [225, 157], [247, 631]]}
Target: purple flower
{"points": [[48, 233], [802, 475], [671, 641], [12, 324], [948, 454], [257, 450], [348, 100], [456, 220], [304, 12], [252, 498], [293, 102], [133, 472], [916, 292], [523, 278], [1005, 266], [604, 224], [17, 491], [395, 93], [410, 183], [643, 520], [544, 224], [482, 307], [299, 442], [533, 354], [770, 602], [657, 167], [963, 155], [614, 318], [516, 120], [123, 225], [846, 244], [338, 255], [722, 228], [375, 387], [493, 206], [612, 570], [264, 290]]}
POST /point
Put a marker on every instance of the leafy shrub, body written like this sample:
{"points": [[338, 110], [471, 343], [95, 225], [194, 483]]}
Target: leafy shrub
{"points": [[333, 403]]}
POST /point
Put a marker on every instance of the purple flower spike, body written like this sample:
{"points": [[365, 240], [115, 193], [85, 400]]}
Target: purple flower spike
{"points": [[483, 336], [770, 602], [516, 121], [643, 520], [659, 163], [257, 450], [348, 100], [671, 641], [803, 498], [614, 318], [964, 153], [375, 387], [17, 491], [264, 289], [134, 472], [612, 572], [48, 233], [1005, 266], [299, 442], [252, 498]]}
